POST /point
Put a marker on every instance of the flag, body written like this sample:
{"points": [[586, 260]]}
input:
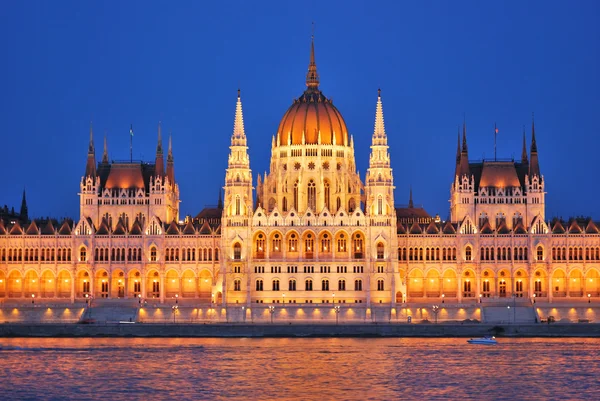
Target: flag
{"points": [[131, 130]]}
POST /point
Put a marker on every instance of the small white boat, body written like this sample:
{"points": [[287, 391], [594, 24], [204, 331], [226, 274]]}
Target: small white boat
{"points": [[487, 340]]}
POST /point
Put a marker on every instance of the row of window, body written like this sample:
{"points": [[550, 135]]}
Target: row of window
{"points": [[504, 253], [189, 254], [574, 253], [325, 245], [35, 255], [310, 269], [308, 285], [446, 254]]}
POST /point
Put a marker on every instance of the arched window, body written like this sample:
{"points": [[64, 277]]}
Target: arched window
{"points": [[351, 205], [309, 243], [358, 246], [468, 255], [82, 254], [276, 243], [237, 285], [275, 285], [380, 250], [325, 243], [237, 251], [153, 254], [380, 285], [292, 285], [341, 285], [260, 245], [312, 195], [327, 195], [284, 205], [338, 203], [540, 253], [325, 285], [357, 285], [341, 243], [379, 205], [293, 243], [308, 285], [259, 285]]}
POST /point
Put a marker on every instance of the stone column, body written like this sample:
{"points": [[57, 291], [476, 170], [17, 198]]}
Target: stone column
{"points": [[126, 288], [143, 285], [73, 291], [459, 284], [197, 282]]}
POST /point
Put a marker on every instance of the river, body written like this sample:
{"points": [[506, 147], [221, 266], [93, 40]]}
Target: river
{"points": [[303, 369]]}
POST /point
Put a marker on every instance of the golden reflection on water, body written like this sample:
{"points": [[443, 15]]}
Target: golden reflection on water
{"points": [[305, 369]]}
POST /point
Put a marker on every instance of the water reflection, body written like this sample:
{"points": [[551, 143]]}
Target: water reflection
{"points": [[307, 369]]}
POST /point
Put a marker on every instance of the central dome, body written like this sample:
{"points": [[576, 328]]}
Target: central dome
{"points": [[312, 115]]}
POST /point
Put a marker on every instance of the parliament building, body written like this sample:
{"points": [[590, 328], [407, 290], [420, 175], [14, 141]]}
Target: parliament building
{"points": [[309, 231]]}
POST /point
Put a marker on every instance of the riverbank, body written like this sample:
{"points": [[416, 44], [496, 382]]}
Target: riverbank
{"points": [[299, 330]]}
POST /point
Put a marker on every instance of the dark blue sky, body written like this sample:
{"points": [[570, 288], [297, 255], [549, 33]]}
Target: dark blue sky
{"points": [[121, 63]]}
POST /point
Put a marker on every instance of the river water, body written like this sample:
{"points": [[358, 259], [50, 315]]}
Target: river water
{"points": [[303, 369]]}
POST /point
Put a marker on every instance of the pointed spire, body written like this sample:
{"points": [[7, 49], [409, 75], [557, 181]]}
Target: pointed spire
{"points": [[24, 215], [312, 76], [524, 151], [159, 170], [91, 144], [90, 167], [410, 199], [170, 163], [464, 155], [220, 203], [105, 153], [533, 143], [534, 166], [238, 124], [379, 132]]}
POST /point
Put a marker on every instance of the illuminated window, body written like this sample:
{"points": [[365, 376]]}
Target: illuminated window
{"points": [[237, 285], [259, 285], [357, 285], [237, 251], [380, 285], [82, 254], [275, 285], [308, 285], [292, 285], [153, 254], [324, 285]]}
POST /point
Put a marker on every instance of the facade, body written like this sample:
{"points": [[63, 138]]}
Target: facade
{"points": [[311, 232]]}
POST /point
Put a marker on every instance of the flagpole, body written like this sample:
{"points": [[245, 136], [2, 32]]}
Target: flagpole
{"points": [[131, 143], [495, 134]]}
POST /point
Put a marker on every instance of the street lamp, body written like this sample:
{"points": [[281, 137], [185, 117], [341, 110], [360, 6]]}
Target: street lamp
{"points": [[435, 309], [176, 298], [139, 299], [480, 295], [174, 308], [333, 297], [533, 298], [443, 296], [337, 314], [272, 312], [508, 308], [86, 299], [283, 298], [32, 299], [589, 298], [212, 299]]}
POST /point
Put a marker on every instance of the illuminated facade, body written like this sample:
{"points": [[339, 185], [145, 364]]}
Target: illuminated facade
{"points": [[310, 232]]}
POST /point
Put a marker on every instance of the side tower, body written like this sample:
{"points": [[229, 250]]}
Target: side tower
{"points": [[90, 183], [379, 209], [462, 192], [237, 207], [534, 182]]}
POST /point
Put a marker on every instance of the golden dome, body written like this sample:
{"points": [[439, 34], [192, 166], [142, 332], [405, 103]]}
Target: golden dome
{"points": [[312, 114]]}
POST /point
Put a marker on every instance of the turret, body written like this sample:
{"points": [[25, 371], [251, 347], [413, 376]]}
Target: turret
{"points": [[24, 215], [534, 166], [171, 163]]}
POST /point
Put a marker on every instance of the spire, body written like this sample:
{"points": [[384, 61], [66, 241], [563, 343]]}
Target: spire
{"points": [[90, 167], [239, 134], [464, 155], [220, 204], [24, 215], [379, 132], [170, 163], [159, 170], [105, 153], [410, 199], [524, 151], [312, 76], [534, 166]]}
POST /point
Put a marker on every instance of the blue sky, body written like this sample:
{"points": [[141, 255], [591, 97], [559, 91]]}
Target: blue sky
{"points": [[122, 63]]}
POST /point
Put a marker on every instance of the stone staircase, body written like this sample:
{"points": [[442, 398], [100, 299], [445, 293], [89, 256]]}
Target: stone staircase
{"points": [[506, 315], [111, 311]]}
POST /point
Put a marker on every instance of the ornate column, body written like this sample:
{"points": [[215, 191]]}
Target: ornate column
{"points": [[162, 288]]}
